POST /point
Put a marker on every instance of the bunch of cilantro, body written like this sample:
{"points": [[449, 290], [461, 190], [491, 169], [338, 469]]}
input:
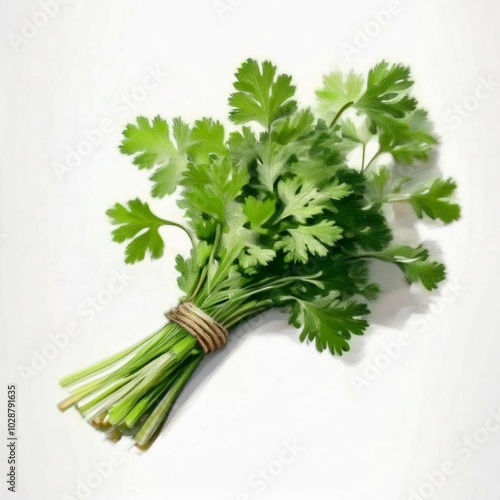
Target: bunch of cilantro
{"points": [[284, 212]]}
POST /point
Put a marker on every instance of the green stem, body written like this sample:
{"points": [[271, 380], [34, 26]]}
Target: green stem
{"points": [[395, 199], [105, 363], [161, 367], [142, 406], [104, 394], [161, 411], [218, 234], [223, 269], [227, 295], [339, 114], [244, 314], [284, 281], [204, 273], [184, 228], [363, 157], [375, 156]]}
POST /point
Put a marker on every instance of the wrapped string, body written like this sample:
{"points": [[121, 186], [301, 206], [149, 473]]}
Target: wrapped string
{"points": [[210, 334]]}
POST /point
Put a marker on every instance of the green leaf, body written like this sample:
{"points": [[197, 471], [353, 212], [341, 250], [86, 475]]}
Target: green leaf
{"points": [[210, 188], [236, 233], [354, 135], [388, 104], [410, 140], [435, 202], [258, 212], [293, 127], [381, 179], [329, 322], [152, 145], [253, 256], [189, 269], [348, 276], [272, 162], [320, 154], [243, 146], [387, 92], [349, 131], [304, 241], [364, 225], [303, 200], [338, 91], [415, 264], [139, 224], [207, 138], [261, 95]]}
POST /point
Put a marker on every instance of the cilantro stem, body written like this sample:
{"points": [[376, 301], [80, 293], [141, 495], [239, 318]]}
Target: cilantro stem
{"points": [[395, 199], [159, 414], [375, 156], [105, 363], [218, 233], [239, 316], [203, 275], [363, 157], [339, 114], [227, 295], [184, 228]]}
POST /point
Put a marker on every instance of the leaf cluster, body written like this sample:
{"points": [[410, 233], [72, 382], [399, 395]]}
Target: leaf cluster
{"points": [[283, 216]]}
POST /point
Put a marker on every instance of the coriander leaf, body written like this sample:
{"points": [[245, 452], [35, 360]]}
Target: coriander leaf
{"points": [[429, 273], [251, 252], [303, 241], [258, 212], [253, 256], [384, 183], [261, 96], [348, 276], [313, 170], [207, 138], [408, 141], [380, 179], [387, 104], [293, 127], [329, 322], [319, 155], [364, 225], [415, 264], [243, 146], [189, 269], [210, 188], [155, 147], [138, 218], [354, 135], [349, 131], [338, 91], [272, 162], [435, 201], [303, 200], [237, 234], [386, 92]]}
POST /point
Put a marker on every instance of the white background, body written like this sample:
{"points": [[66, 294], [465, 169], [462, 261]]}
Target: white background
{"points": [[377, 441]]}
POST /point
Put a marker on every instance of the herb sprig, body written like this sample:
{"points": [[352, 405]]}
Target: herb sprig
{"points": [[279, 216]]}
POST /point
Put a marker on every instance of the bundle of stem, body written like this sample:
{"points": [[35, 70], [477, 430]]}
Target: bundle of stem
{"points": [[132, 392]]}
